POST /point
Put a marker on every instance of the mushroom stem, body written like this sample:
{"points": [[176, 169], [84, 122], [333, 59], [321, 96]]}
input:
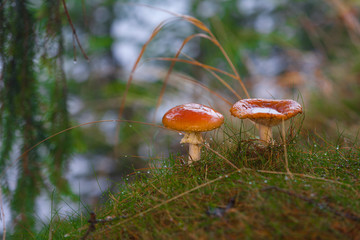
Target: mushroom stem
{"points": [[194, 153], [194, 139], [265, 133]]}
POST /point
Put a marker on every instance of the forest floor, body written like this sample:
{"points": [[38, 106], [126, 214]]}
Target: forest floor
{"points": [[240, 189]]}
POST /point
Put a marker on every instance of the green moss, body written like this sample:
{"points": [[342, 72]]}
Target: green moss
{"points": [[177, 201]]}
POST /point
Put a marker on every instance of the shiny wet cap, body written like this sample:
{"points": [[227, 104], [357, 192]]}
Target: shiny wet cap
{"points": [[192, 117], [266, 112]]}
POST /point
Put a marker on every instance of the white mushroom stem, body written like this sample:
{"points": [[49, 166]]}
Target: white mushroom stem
{"points": [[194, 139], [194, 153], [265, 133]]}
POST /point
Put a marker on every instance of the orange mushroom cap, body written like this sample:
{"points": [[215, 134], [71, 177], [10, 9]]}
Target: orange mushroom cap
{"points": [[266, 111], [192, 117]]}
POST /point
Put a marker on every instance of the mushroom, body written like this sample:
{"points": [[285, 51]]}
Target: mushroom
{"points": [[266, 113], [192, 118]]}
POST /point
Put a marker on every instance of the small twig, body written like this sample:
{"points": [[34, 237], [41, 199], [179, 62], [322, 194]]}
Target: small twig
{"points": [[348, 215], [92, 227], [307, 176], [164, 194], [302, 197], [221, 156], [93, 221], [220, 211], [74, 31]]}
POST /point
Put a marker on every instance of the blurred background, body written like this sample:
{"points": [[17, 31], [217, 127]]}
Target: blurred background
{"points": [[300, 49]]}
